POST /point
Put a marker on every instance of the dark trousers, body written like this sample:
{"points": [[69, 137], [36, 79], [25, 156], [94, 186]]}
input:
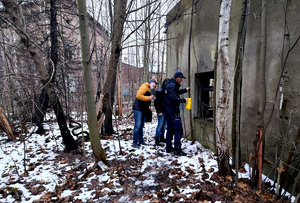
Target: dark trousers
{"points": [[174, 129]]}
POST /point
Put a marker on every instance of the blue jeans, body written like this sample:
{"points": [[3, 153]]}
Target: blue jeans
{"points": [[174, 129], [139, 119], [161, 126]]}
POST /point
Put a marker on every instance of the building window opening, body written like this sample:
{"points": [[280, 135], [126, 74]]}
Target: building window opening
{"points": [[205, 95]]}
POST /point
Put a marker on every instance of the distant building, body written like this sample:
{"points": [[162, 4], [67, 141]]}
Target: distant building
{"points": [[14, 59]]}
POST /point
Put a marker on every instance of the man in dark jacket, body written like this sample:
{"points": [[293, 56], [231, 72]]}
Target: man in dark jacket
{"points": [[159, 104], [140, 107], [172, 113]]}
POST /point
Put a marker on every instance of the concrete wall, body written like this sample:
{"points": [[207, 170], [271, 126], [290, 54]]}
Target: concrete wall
{"points": [[204, 42], [282, 34]]}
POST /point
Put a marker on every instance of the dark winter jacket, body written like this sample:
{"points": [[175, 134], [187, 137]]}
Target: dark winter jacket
{"points": [[142, 100], [159, 102], [172, 98]]}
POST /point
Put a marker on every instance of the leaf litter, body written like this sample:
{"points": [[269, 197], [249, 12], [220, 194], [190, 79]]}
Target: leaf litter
{"points": [[148, 174]]}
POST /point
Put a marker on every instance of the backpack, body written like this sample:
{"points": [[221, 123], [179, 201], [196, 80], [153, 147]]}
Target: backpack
{"points": [[165, 84], [148, 116], [159, 101], [160, 92]]}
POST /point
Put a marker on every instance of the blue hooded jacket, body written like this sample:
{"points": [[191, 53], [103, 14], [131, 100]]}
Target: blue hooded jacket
{"points": [[172, 98]]}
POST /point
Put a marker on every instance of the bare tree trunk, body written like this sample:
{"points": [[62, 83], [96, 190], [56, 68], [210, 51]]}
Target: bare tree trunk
{"points": [[223, 102], [159, 73], [137, 56], [146, 45], [14, 12], [120, 91], [6, 126], [257, 162], [235, 132], [189, 70], [116, 48], [88, 83]]}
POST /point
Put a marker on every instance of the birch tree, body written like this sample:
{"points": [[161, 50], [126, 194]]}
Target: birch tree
{"points": [[224, 83]]}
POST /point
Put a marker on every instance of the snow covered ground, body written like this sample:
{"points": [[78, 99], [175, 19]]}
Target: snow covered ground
{"points": [[148, 174]]}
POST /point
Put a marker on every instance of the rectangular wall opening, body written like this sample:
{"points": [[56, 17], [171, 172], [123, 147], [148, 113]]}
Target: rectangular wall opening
{"points": [[204, 95]]}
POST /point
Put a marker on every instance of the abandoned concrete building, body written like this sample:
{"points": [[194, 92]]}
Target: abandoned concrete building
{"points": [[282, 84]]}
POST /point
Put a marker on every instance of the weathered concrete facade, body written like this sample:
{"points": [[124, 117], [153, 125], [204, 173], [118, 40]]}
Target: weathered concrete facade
{"points": [[282, 112]]}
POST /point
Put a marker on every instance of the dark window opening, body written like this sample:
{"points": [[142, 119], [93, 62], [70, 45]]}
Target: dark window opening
{"points": [[204, 83]]}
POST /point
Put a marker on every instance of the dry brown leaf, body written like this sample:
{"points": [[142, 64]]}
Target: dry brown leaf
{"points": [[239, 199], [267, 197], [46, 196], [242, 185], [69, 175], [112, 170], [282, 168], [63, 162], [34, 191], [211, 170], [154, 201], [269, 162], [224, 189], [250, 157], [178, 195], [200, 160], [229, 178], [42, 181]]}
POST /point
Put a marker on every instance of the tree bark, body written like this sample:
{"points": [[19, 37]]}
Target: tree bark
{"points": [[14, 12], [146, 45], [223, 102], [88, 83], [189, 71], [235, 133], [6, 126], [110, 82], [261, 111]]}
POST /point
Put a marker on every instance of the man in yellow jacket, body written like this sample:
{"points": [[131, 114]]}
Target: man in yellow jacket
{"points": [[140, 107]]}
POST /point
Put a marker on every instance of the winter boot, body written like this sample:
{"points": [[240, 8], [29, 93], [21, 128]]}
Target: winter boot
{"points": [[170, 149], [156, 140], [180, 153], [162, 139]]}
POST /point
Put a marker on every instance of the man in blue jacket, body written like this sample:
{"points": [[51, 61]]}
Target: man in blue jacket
{"points": [[172, 114]]}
